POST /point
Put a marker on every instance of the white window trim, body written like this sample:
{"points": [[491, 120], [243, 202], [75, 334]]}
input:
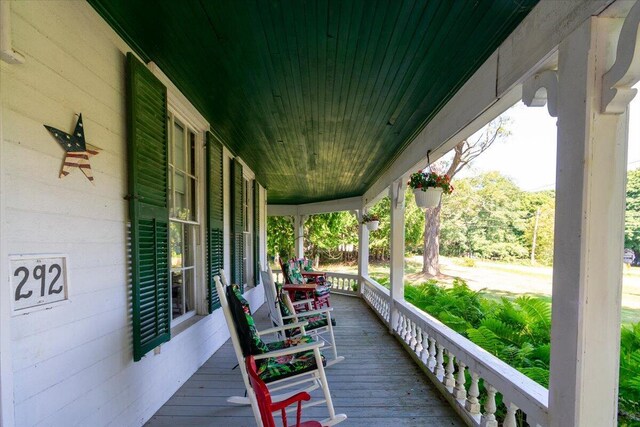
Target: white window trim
{"points": [[185, 112]]}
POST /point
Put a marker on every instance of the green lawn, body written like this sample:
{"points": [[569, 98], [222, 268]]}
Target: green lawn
{"points": [[497, 279]]}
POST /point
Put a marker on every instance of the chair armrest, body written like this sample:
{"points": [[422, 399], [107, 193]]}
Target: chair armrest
{"points": [[283, 328], [309, 313], [303, 396], [290, 350], [302, 301]]}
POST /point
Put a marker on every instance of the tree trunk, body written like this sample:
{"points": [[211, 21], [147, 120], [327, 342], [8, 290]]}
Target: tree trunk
{"points": [[431, 254]]}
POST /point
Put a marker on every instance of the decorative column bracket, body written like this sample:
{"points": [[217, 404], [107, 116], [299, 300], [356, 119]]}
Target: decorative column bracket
{"points": [[541, 89], [617, 90], [397, 194]]}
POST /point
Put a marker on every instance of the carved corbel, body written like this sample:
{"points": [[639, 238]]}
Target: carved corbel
{"points": [[397, 194], [617, 90], [541, 89]]}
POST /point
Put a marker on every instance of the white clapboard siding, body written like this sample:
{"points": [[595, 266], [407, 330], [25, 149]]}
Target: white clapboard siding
{"points": [[73, 364]]}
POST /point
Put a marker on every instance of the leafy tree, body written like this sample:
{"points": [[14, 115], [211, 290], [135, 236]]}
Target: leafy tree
{"points": [[485, 217], [280, 236], [464, 153], [540, 208], [632, 216], [326, 233]]}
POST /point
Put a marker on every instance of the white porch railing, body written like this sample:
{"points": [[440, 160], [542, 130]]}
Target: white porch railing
{"points": [[445, 356], [340, 283]]}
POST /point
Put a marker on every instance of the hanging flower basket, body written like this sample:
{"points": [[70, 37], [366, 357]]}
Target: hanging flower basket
{"points": [[428, 187], [428, 198], [371, 221]]}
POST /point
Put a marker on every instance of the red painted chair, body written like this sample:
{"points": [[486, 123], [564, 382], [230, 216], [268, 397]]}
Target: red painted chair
{"points": [[267, 407], [315, 287]]}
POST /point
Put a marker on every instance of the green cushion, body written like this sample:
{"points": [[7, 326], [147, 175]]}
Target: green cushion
{"points": [[277, 368], [257, 345], [322, 290], [295, 275]]}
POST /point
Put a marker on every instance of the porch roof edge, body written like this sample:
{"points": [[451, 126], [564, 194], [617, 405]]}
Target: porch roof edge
{"points": [[493, 88]]}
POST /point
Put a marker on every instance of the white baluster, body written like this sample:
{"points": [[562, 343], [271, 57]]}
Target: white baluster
{"points": [[402, 325], [424, 354], [510, 418], [414, 335], [473, 405], [406, 331], [432, 354], [418, 349], [439, 361], [460, 391], [489, 416], [449, 381]]}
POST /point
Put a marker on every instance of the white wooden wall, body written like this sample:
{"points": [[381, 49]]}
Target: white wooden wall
{"points": [[73, 364]]}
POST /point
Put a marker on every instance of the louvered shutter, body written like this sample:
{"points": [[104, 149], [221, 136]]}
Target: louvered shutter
{"points": [[148, 207], [215, 217], [256, 232], [237, 226]]}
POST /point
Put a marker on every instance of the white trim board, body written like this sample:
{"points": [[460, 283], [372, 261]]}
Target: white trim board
{"points": [[338, 205]]}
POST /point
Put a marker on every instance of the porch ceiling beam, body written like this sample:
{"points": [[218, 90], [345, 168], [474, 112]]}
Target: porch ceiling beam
{"points": [[494, 87], [338, 205]]}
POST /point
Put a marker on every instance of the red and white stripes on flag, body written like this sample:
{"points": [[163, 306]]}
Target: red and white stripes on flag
{"points": [[79, 159]]}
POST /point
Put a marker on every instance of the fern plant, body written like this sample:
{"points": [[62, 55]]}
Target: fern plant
{"points": [[519, 333]]}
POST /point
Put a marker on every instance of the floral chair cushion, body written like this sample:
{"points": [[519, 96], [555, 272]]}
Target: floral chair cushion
{"points": [[322, 290], [295, 275], [248, 336], [277, 368]]}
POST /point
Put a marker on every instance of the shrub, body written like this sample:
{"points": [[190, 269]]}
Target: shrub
{"points": [[519, 333]]}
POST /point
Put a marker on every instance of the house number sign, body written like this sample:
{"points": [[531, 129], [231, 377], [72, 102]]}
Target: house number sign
{"points": [[38, 282]]}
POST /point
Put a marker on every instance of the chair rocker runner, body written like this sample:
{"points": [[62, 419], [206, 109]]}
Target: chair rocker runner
{"points": [[266, 404], [294, 362], [282, 312]]}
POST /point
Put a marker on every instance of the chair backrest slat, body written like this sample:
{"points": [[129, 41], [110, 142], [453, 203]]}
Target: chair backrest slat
{"points": [[270, 293]]}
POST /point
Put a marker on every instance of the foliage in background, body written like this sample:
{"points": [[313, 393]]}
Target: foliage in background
{"points": [[487, 216], [280, 236], [632, 217], [519, 332]]}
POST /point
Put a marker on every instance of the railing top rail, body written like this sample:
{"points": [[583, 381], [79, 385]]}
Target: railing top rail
{"points": [[377, 286], [517, 388], [343, 275]]}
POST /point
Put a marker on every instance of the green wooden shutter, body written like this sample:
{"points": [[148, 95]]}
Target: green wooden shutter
{"points": [[215, 217], [148, 207], [256, 232], [237, 225]]}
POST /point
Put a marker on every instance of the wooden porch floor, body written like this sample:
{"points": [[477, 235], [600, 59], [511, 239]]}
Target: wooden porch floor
{"points": [[377, 385]]}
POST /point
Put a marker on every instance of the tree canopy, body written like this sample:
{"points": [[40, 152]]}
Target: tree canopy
{"points": [[632, 217]]}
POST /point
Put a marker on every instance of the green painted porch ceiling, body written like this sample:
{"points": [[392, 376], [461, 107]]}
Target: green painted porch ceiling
{"points": [[317, 97]]}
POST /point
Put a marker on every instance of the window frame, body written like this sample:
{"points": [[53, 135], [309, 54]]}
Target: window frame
{"points": [[196, 227]]}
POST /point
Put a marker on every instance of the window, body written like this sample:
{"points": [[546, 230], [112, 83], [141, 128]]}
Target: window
{"points": [[183, 217], [247, 234], [166, 207]]}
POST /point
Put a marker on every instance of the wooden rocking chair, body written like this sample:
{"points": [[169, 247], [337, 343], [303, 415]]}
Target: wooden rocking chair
{"points": [[314, 286], [266, 404], [282, 311], [281, 364]]}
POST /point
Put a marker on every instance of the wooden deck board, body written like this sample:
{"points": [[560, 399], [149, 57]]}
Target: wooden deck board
{"points": [[377, 385]]}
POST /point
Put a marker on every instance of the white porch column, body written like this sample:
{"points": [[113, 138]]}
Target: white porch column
{"points": [[298, 232], [589, 226], [396, 194], [363, 248]]}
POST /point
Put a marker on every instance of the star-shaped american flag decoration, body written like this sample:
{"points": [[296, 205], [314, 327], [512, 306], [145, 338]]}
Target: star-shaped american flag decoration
{"points": [[76, 148]]}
